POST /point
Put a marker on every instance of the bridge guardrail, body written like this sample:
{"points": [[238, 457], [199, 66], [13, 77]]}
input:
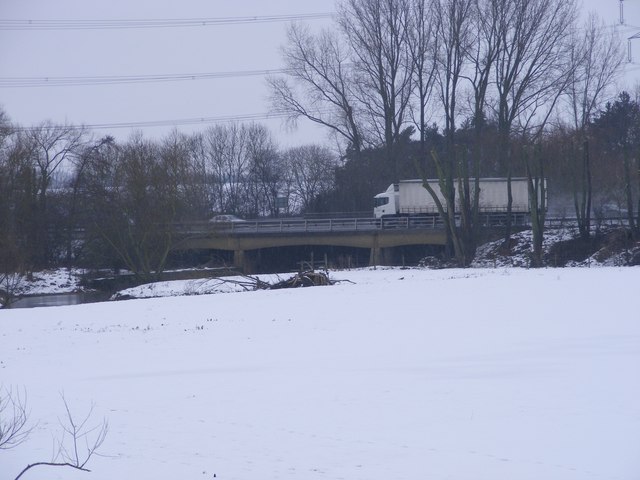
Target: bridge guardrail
{"points": [[369, 224]]}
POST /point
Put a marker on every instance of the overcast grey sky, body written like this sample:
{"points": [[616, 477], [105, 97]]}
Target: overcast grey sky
{"points": [[203, 49]]}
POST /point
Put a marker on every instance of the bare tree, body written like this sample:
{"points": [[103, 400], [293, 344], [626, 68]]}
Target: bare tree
{"points": [[10, 281], [537, 188], [244, 171], [202, 174], [361, 91], [76, 197], [53, 145], [7, 242], [531, 70], [482, 52], [320, 87], [18, 205], [12, 268], [135, 194], [597, 58], [228, 162], [453, 29], [185, 168], [378, 35], [266, 172], [422, 44], [6, 128], [50, 147], [312, 171]]}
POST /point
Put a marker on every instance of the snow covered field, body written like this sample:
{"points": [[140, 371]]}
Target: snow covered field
{"points": [[406, 374]]}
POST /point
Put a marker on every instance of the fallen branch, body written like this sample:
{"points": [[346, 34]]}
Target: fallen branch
{"points": [[309, 278], [303, 279]]}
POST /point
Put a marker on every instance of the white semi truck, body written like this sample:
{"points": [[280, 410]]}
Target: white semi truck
{"points": [[409, 197]]}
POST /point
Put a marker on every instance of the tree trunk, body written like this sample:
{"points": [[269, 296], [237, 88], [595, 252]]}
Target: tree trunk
{"points": [[589, 189], [582, 190], [505, 166], [508, 223], [636, 232], [628, 191], [537, 199]]}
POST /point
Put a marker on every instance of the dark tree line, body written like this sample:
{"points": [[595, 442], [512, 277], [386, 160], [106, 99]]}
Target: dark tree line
{"points": [[499, 78], [67, 198], [367, 173], [126, 197]]}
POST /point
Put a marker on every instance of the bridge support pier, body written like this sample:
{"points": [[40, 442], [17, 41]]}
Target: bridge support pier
{"points": [[240, 261], [380, 256], [246, 261], [374, 257]]}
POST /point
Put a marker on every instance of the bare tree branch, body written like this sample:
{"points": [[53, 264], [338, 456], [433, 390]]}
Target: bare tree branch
{"points": [[378, 35], [323, 82], [78, 443], [13, 418]]}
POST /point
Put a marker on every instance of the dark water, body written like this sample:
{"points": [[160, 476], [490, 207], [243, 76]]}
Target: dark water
{"points": [[59, 299], [105, 287]]}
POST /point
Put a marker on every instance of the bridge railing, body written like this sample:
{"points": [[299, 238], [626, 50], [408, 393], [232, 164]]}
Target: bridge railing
{"points": [[564, 222], [289, 225], [317, 225], [303, 225]]}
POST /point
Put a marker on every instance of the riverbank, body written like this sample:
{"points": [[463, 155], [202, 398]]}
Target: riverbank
{"points": [[72, 286], [562, 248]]}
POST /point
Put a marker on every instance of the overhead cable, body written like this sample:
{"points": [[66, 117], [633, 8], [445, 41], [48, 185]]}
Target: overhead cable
{"points": [[20, 82], [105, 24], [169, 123]]}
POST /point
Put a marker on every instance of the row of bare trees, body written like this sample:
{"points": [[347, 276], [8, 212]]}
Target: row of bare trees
{"points": [[126, 197], [520, 67]]}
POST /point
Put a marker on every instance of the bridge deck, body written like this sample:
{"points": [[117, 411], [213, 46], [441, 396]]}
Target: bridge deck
{"points": [[375, 234]]}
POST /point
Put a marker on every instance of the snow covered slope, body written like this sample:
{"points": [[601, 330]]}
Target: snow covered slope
{"points": [[406, 374]]}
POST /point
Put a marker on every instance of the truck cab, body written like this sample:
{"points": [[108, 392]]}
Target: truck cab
{"points": [[386, 203]]}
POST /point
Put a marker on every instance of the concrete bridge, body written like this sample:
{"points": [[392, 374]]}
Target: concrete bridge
{"points": [[379, 236]]}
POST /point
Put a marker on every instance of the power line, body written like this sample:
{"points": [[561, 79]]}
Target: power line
{"points": [[7, 24], [21, 82], [170, 123]]}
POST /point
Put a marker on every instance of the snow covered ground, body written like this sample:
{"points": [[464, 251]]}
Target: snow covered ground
{"points": [[51, 282], [405, 374], [198, 286]]}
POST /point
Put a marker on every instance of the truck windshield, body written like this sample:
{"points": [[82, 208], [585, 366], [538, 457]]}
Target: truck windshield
{"points": [[378, 202]]}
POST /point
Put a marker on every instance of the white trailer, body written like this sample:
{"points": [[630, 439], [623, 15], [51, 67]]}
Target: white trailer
{"points": [[409, 197]]}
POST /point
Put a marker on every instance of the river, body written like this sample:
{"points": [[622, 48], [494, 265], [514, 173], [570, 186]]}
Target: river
{"points": [[59, 299]]}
